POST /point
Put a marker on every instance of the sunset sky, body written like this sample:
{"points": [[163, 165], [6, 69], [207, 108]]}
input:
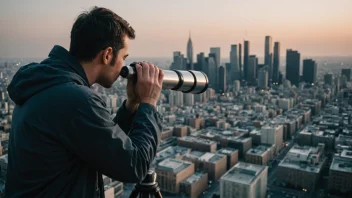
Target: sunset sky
{"points": [[29, 29]]}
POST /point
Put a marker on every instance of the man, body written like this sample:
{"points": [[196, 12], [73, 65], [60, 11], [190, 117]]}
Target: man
{"points": [[63, 138]]}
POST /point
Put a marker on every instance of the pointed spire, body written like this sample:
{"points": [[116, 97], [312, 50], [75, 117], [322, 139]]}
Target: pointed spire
{"points": [[189, 34]]}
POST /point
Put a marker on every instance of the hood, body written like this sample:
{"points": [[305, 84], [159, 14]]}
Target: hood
{"points": [[33, 78]]}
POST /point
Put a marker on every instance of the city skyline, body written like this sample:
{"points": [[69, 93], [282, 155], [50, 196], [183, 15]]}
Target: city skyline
{"points": [[319, 28]]}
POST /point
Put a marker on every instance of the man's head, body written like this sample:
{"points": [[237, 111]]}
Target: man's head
{"points": [[100, 40]]}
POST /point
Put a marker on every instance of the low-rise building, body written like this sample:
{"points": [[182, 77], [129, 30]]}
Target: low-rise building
{"points": [[244, 180], [171, 173], [194, 185]]}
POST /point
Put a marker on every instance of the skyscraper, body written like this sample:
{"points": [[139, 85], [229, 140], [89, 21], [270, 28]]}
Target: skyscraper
{"points": [[200, 62], [240, 60], [252, 70], [268, 55], [212, 71], [245, 59], [222, 79], [234, 72], [216, 51], [263, 78], [347, 73], [309, 71], [328, 79], [293, 66], [179, 61], [276, 62], [190, 52]]}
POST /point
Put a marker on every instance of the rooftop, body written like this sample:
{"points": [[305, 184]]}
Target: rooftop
{"points": [[243, 173], [193, 178], [304, 150], [304, 158], [342, 163], [204, 156], [211, 157], [195, 154], [197, 140], [259, 150], [227, 151], [172, 151], [347, 154], [173, 165]]}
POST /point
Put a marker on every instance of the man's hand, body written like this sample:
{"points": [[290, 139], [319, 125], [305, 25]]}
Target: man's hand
{"points": [[132, 99], [149, 83]]}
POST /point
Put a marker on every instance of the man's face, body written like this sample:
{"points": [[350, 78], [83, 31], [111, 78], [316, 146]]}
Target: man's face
{"points": [[111, 72]]}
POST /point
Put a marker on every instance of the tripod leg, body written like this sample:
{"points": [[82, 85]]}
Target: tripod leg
{"points": [[157, 194], [134, 193]]}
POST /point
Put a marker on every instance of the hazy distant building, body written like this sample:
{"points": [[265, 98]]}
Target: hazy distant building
{"points": [[216, 51], [340, 174], [244, 180], [171, 173], [190, 52], [213, 71], [237, 85], [252, 70], [263, 78], [200, 66], [246, 52], [276, 63], [347, 73], [240, 60], [234, 72], [309, 71], [222, 79], [179, 61], [268, 55], [188, 99], [328, 79], [176, 98], [293, 66]]}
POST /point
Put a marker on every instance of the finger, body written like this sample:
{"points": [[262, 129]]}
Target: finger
{"points": [[156, 74], [139, 71], [161, 77], [151, 71], [145, 67]]}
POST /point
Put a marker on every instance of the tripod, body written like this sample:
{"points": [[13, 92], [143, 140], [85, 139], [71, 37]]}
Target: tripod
{"points": [[148, 188]]}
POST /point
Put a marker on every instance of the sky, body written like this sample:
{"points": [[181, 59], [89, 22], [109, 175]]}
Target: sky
{"points": [[29, 29]]}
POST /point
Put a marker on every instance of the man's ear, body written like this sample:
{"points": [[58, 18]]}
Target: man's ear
{"points": [[107, 55]]}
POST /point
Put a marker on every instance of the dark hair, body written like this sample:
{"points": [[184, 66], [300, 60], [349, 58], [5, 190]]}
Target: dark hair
{"points": [[96, 30]]}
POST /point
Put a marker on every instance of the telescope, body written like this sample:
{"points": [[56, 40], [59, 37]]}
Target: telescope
{"points": [[187, 81]]}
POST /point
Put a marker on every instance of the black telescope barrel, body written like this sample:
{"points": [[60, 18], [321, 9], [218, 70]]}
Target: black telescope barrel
{"points": [[187, 81]]}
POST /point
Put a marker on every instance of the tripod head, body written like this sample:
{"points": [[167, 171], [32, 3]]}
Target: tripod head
{"points": [[148, 188]]}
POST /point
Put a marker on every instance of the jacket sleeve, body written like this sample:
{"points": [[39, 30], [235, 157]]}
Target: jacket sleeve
{"points": [[124, 118], [95, 138]]}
